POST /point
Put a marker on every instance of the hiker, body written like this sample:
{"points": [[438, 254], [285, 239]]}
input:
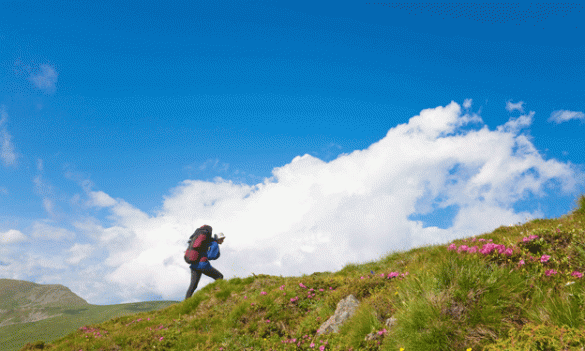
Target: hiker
{"points": [[206, 247]]}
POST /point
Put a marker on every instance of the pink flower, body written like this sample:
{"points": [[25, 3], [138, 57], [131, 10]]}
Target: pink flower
{"points": [[245, 297], [312, 345], [558, 230], [462, 248], [481, 239], [320, 289], [263, 293], [521, 262], [362, 278], [321, 348], [472, 249], [465, 240], [282, 287], [509, 252], [544, 258], [161, 338], [330, 288], [577, 274], [550, 272], [268, 321], [452, 247], [302, 285], [393, 274]]}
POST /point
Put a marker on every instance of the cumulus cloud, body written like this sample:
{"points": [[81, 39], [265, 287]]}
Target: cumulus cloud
{"points": [[313, 215], [45, 231], [517, 106], [561, 116], [467, 103], [46, 79], [12, 236], [7, 152], [79, 252]]}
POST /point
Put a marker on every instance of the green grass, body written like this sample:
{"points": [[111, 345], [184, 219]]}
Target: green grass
{"points": [[14, 336], [449, 300]]}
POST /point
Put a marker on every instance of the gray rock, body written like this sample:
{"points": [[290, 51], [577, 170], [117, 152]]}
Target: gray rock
{"points": [[390, 322], [345, 309], [372, 336]]}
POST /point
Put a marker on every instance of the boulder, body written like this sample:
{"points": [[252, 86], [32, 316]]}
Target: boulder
{"points": [[345, 309]]}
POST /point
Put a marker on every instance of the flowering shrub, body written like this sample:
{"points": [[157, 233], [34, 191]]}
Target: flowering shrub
{"points": [[528, 242]]}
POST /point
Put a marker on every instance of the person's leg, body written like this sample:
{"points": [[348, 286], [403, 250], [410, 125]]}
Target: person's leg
{"points": [[213, 273], [195, 276]]}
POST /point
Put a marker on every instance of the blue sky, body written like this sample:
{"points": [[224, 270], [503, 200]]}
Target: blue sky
{"points": [[312, 136]]}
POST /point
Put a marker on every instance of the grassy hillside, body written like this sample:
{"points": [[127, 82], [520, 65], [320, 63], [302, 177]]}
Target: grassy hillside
{"points": [[516, 288], [30, 312]]}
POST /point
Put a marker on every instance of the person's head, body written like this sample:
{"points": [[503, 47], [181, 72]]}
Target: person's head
{"points": [[219, 237]]}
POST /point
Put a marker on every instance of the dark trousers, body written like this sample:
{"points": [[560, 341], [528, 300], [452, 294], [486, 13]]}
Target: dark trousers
{"points": [[196, 275]]}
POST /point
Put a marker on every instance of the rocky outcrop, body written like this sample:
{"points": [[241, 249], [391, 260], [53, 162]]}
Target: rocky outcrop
{"points": [[24, 315], [345, 309]]}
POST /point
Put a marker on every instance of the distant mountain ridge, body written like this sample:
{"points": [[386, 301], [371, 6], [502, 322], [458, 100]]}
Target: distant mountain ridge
{"points": [[23, 301]]}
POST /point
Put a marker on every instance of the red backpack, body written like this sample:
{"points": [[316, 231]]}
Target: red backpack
{"points": [[198, 242]]}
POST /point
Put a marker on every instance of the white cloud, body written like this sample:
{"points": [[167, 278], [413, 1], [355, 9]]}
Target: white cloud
{"points": [[46, 192], [515, 125], [12, 236], [517, 106], [79, 252], [100, 199], [45, 80], [318, 216], [561, 116], [313, 215], [210, 164], [467, 103], [7, 152], [45, 231], [39, 165]]}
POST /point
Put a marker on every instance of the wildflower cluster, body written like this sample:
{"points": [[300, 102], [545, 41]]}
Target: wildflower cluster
{"points": [[501, 249], [136, 321], [299, 342], [95, 331]]}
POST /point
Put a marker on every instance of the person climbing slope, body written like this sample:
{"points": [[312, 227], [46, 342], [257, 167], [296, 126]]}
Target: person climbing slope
{"points": [[202, 248]]}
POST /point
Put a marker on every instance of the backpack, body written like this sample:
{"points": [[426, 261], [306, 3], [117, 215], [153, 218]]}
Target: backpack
{"points": [[198, 244], [213, 251]]}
